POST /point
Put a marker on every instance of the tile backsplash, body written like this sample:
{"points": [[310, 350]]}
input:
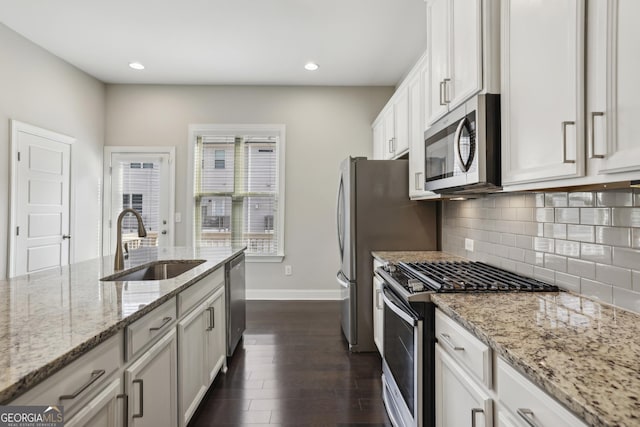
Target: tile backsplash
{"points": [[585, 242]]}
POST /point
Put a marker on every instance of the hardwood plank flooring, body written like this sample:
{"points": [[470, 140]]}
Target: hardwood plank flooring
{"points": [[293, 368]]}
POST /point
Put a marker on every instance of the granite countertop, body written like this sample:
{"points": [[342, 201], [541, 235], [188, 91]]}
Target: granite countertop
{"points": [[49, 319], [583, 353], [414, 256]]}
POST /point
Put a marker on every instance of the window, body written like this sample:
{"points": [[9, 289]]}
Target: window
{"points": [[238, 198]]}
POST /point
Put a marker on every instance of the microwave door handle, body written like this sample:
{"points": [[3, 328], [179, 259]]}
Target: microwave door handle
{"points": [[397, 310], [456, 146]]}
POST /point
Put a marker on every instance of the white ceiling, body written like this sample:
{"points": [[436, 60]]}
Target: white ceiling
{"points": [[246, 42]]}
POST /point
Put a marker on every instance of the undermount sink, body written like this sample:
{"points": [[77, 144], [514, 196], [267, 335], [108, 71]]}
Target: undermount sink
{"points": [[158, 270]]}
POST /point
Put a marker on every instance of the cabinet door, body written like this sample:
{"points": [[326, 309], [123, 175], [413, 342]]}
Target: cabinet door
{"points": [[378, 140], [215, 336], [460, 401], [466, 50], [416, 136], [151, 385], [389, 119], [104, 410], [437, 60], [542, 90], [378, 314], [401, 122], [191, 362], [614, 103]]}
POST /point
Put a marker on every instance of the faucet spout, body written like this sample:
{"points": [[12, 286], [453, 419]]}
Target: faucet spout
{"points": [[142, 232]]}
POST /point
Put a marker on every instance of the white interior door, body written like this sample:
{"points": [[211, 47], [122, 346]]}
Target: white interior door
{"points": [[40, 199], [143, 182]]}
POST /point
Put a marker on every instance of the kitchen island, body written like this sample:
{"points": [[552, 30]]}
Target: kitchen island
{"points": [[581, 352], [51, 318]]}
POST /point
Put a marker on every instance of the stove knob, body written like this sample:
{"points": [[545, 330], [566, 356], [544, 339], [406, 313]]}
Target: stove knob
{"points": [[416, 285], [391, 268]]}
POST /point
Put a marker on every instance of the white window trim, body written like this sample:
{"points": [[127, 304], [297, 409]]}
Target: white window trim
{"points": [[196, 130], [106, 194]]}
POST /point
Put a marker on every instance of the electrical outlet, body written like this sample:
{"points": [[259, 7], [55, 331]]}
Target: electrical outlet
{"points": [[287, 270], [468, 245]]}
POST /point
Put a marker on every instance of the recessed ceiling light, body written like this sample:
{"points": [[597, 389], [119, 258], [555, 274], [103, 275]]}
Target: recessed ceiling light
{"points": [[136, 65], [310, 66]]}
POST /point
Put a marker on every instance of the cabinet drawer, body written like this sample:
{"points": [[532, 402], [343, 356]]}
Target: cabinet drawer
{"points": [[82, 378], [464, 347], [190, 297], [154, 324], [529, 404]]}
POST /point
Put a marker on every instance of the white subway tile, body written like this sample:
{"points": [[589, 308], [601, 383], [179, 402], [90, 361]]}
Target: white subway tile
{"points": [[615, 198], [524, 242], [508, 239], [516, 254], [544, 274], [596, 253], [524, 269], [626, 299], [626, 217], [555, 231], [502, 201], [508, 265], [517, 201], [581, 268], [583, 233], [581, 199], [545, 214], [509, 214], [531, 228], [568, 215], [555, 262], [524, 214], [530, 200], [568, 248], [596, 290], [635, 279], [614, 236], [541, 244], [557, 200], [534, 258], [595, 216], [635, 238], [568, 282], [540, 200], [616, 276], [629, 258]]}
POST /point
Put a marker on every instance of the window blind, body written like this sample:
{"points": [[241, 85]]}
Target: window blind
{"points": [[236, 192]]}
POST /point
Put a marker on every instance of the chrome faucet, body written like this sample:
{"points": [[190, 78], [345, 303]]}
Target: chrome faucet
{"points": [[119, 260]]}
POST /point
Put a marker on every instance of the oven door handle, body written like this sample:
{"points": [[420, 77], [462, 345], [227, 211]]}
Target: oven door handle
{"points": [[400, 312]]}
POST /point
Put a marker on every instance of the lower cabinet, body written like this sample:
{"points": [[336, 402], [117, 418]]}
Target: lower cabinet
{"points": [[104, 410], [460, 400], [151, 384], [201, 353], [378, 309]]}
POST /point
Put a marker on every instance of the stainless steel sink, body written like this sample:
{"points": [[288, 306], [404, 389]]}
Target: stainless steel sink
{"points": [[159, 270]]}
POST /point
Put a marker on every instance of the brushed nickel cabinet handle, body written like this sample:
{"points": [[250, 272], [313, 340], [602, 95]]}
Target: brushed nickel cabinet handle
{"points": [[94, 377], [212, 318], [442, 102], [564, 142], [378, 303], [446, 84], [593, 155], [527, 416], [125, 412], [66, 237], [140, 400], [390, 146], [475, 411], [164, 323], [446, 338], [418, 183]]}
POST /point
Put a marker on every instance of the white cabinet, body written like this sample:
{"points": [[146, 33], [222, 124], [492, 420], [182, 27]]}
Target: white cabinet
{"points": [[391, 128], [529, 404], [455, 62], [460, 400], [201, 352], [378, 140], [106, 409], [401, 122], [151, 384], [378, 309], [542, 90], [613, 88]]}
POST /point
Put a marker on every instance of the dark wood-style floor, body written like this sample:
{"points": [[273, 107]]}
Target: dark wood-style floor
{"points": [[294, 369]]}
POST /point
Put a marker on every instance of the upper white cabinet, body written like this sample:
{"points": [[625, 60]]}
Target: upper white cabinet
{"points": [[613, 88], [547, 139], [542, 90], [391, 128], [378, 140]]}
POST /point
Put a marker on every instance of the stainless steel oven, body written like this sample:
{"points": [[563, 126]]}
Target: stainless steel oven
{"points": [[462, 150]]}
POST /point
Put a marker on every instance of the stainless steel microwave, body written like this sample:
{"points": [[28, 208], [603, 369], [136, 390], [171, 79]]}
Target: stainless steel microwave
{"points": [[462, 150]]}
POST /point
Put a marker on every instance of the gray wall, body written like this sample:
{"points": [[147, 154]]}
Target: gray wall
{"points": [[41, 89], [586, 242], [323, 126]]}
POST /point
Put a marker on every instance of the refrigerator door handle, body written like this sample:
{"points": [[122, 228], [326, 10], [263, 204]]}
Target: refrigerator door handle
{"points": [[341, 280]]}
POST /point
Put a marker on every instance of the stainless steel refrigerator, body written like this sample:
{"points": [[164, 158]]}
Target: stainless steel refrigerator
{"points": [[374, 213]]}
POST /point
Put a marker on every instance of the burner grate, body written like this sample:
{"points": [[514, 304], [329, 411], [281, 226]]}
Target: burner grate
{"points": [[447, 276]]}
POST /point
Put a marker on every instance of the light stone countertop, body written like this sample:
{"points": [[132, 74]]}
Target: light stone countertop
{"points": [[49, 319], [584, 353]]}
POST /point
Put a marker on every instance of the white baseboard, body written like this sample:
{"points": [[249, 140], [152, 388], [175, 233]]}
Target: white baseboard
{"points": [[292, 294]]}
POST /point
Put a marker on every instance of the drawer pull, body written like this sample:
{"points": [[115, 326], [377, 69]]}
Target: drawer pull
{"points": [[475, 411], [528, 417], [141, 400], [94, 377], [125, 412], [446, 338], [164, 323], [212, 318]]}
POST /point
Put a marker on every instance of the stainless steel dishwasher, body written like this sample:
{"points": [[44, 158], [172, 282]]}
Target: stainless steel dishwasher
{"points": [[235, 298]]}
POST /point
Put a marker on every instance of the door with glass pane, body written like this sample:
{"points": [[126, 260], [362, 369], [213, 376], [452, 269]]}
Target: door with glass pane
{"points": [[140, 181]]}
